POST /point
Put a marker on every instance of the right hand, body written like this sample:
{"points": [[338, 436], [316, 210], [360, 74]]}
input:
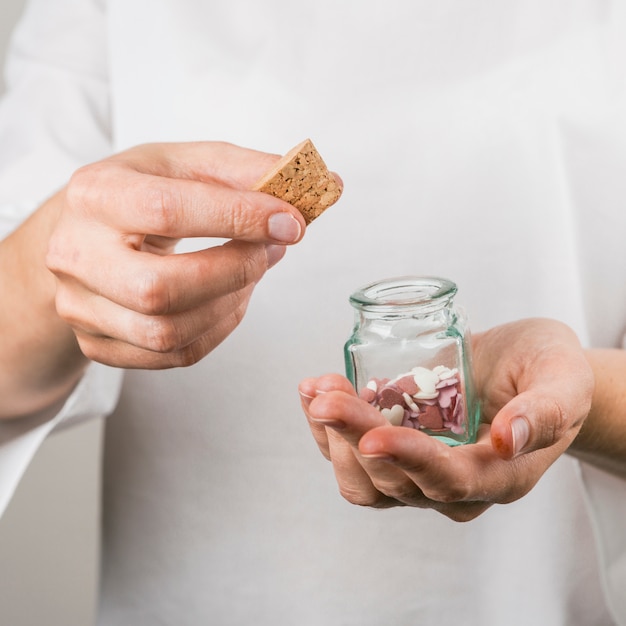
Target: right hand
{"points": [[130, 300]]}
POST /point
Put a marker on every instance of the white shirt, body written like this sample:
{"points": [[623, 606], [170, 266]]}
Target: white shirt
{"points": [[484, 142]]}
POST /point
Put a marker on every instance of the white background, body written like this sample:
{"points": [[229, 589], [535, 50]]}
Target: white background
{"points": [[48, 535]]}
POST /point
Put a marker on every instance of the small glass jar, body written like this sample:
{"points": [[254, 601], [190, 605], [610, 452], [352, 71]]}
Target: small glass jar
{"points": [[409, 356]]}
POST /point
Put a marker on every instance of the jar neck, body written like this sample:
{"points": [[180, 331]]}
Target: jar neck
{"points": [[404, 297]]}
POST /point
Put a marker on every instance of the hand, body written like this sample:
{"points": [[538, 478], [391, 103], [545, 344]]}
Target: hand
{"points": [[130, 300], [536, 387]]}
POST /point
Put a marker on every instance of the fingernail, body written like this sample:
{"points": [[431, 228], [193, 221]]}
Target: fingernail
{"points": [[305, 401], [284, 227], [336, 424], [274, 253], [521, 432], [379, 456]]}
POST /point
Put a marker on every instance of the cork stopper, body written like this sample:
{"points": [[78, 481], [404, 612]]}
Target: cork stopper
{"points": [[302, 179]]}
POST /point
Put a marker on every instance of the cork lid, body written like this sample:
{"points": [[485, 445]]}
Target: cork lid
{"points": [[302, 179]]}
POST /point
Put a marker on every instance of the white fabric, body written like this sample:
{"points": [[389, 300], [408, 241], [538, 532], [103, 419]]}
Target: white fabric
{"points": [[94, 396], [480, 141], [603, 493]]}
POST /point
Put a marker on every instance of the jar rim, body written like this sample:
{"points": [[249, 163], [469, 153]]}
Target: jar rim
{"points": [[404, 292]]}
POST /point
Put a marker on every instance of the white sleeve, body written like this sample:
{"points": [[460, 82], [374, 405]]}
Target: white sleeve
{"points": [[95, 396], [54, 117], [606, 501]]}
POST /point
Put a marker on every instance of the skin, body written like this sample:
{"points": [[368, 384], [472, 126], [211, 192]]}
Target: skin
{"points": [[542, 396], [94, 277]]}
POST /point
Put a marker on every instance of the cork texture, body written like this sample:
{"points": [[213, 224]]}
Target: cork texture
{"points": [[302, 179]]}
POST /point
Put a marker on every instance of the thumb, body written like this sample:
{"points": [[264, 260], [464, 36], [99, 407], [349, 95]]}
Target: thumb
{"points": [[530, 421]]}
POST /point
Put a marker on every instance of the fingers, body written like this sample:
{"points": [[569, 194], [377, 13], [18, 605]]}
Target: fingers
{"points": [[317, 430], [312, 387], [98, 316], [217, 161], [158, 285], [136, 309], [356, 478], [309, 388], [380, 465], [131, 301], [123, 338], [460, 482], [338, 420], [444, 474], [149, 193]]}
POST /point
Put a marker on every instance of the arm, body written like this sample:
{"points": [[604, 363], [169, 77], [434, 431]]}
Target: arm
{"points": [[39, 356]]}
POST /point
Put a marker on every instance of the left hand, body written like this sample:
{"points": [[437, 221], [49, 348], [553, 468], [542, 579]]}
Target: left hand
{"points": [[535, 386]]}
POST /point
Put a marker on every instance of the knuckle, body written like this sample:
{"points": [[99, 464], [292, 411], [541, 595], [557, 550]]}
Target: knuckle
{"points": [[62, 255], [237, 307], [249, 270], [89, 348], [241, 213], [160, 206], [559, 423], [240, 210], [551, 426], [403, 492], [189, 355], [163, 335], [156, 200], [153, 294], [81, 184], [449, 493], [63, 306], [370, 499], [84, 184], [54, 259], [355, 497]]}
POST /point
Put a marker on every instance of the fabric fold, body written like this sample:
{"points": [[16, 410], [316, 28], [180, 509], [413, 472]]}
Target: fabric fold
{"points": [[95, 396]]}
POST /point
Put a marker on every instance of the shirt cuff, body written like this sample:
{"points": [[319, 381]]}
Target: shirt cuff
{"points": [[95, 396]]}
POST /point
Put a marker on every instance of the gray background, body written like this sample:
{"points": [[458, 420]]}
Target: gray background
{"points": [[49, 533]]}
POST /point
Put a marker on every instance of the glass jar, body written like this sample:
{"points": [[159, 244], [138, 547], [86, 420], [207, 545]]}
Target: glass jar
{"points": [[409, 356]]}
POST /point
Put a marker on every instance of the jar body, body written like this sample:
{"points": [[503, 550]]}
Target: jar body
{"points": [[409, 356]]}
